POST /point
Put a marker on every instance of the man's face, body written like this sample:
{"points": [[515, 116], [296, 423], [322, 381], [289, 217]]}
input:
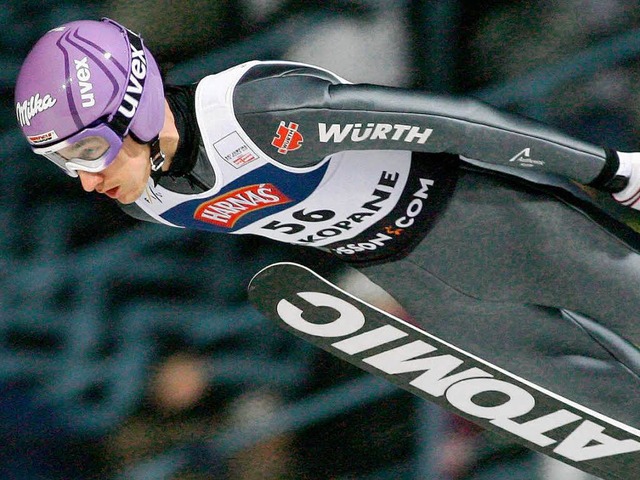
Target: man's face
{"points": [[126, 178]]}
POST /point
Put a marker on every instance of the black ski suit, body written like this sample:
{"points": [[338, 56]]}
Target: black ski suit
{"points": [[467, 215]]}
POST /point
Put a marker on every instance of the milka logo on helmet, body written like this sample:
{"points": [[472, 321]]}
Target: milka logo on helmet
{"points": [[337, 133], [136, 82], [83, 74], [28, 109]]}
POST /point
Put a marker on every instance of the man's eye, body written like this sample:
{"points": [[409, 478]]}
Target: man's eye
{"points": [[91, 148], [89, 153]]}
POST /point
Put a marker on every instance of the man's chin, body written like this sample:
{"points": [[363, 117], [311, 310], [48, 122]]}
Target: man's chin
{"points": [[127, 198]]}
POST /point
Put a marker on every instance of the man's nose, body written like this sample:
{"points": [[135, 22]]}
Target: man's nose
{"points": [[89, 180]]}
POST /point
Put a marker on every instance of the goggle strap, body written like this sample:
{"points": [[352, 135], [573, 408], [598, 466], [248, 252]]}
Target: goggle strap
{"points": [[123, 116]]}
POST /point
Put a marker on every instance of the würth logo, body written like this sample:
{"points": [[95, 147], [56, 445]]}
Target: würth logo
{"points": [[225, 210], [287, 138]]}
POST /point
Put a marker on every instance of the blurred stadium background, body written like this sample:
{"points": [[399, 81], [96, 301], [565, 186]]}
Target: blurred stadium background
{"points": [[128, 351]]}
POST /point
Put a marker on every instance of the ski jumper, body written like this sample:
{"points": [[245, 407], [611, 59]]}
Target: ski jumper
{"points": [[425, 194]]}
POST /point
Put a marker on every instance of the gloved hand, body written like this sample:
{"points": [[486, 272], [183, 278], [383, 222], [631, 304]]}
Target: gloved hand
{"points": [[630, 168]]}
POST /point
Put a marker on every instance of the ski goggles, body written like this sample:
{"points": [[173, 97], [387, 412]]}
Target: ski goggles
{"points": [[90, 150]]}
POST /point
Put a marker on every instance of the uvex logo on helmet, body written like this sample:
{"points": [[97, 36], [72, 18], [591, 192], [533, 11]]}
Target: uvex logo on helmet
{"points": [[83, 74], [136, 82]]}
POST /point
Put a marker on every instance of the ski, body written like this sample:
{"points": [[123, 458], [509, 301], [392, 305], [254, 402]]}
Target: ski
{"points": [[311, 307]]}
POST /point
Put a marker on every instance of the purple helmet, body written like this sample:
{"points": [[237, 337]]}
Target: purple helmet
{"points": [[87, 73]]}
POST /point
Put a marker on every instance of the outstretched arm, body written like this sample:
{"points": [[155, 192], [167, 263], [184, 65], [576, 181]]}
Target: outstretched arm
{"points": [[329, 117]]}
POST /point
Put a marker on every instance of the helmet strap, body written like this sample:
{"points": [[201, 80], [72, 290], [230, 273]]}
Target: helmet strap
{"points": [[157, 159]]}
